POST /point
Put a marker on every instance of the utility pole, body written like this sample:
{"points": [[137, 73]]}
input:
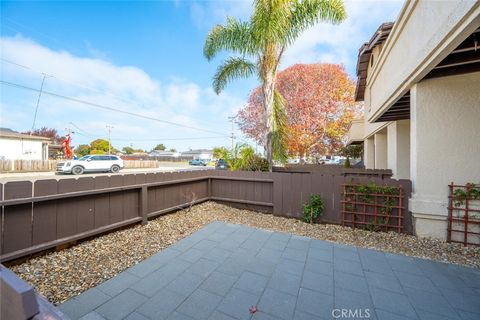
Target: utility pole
{"points": [[109, 127], [38, 103], [233, 135]]}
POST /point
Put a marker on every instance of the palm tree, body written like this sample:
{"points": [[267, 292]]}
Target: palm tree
{"points": [[273, 26]]}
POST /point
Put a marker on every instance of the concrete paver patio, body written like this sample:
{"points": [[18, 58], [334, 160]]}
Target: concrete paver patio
{"points": [[222, 270]]}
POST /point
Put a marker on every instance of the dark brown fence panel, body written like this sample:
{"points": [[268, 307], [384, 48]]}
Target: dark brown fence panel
{"points": [[85, 206], [45, 213], [131, 204], [101, 203], [1, 220], [277, 194], [72, 209], [243, 188], [17, 221], [116, 209], [17, 228]]}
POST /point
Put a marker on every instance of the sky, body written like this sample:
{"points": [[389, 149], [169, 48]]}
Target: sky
{"points": [[137, 67]]}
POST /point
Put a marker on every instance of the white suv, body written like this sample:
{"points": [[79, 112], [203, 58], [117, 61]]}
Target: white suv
{"points": [[91, 163]]}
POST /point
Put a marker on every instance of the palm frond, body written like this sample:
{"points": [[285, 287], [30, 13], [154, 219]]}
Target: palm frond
{"points": [[307, 13], [234, 36], [269, 20], [230, 69], [279, 132]]}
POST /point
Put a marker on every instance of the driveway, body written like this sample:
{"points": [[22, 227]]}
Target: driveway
{"points": [[223, 270]]}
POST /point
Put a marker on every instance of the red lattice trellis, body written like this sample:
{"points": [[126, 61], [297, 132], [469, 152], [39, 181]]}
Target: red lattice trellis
{"points": [[464, 214], [373, 207]]}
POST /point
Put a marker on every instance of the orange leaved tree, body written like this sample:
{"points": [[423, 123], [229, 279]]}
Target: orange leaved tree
{"points": [[319, 106]]}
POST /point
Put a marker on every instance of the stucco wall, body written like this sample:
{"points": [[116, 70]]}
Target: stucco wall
{"points": [[381, 151], [398, 136], [424, 34], [20, 149], [369, 153], [356, 131], [445, 145]]}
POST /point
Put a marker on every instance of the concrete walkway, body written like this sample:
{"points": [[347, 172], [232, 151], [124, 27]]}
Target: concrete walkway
{"points": [[222, 270]]}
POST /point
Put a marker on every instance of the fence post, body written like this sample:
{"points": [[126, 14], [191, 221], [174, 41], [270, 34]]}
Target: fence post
{"points": [[144, 204]]}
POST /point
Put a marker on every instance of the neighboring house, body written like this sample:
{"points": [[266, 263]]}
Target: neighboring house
{"points": [[18, 146], [202, 154], [165, 154], [420, 81]]}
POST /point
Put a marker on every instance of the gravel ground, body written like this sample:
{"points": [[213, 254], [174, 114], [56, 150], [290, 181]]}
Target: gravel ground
{"points": [[61, 275]]}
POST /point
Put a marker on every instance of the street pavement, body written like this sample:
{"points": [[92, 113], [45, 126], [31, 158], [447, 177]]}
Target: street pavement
{"points": [[34, 176]]}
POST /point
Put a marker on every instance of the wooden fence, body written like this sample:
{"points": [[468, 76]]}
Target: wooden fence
{"points": [[50, 165], [334, 169], [131, 164], [27, 165], [47, 213]]}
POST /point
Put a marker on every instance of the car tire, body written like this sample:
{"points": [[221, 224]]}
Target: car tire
{"points": [[77, 170], [115, 169]]}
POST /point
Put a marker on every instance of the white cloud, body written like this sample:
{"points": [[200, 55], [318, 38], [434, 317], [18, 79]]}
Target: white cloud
{"points": [[321, 43], [340, 43], [97, 80]]}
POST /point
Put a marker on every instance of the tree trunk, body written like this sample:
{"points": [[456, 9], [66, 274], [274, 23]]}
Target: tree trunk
{"points": [[268, 89], [302, 158]]}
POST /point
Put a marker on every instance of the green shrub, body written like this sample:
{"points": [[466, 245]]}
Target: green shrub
{"points": [[313, 209], [256, 163], [242, 157]]}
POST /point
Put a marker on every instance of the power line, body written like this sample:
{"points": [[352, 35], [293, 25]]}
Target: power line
{"points": [[76, 84], [66, 81], [87, 134], [8, 20], [84, 132], [96, 105], [169, 139]]}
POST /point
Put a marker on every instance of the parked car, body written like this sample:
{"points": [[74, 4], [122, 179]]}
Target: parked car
{"points": [[221, 165], [91, 163], [197, 162]]}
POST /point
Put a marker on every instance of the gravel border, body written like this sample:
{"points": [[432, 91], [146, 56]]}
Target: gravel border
{"points": [[61, 275]]}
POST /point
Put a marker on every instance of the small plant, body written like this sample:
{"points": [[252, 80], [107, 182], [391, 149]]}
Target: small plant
{"points": [[313, 209], [242, 157], [471, 193], [372, 195]]}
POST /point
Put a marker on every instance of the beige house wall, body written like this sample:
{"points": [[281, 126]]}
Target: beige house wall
{"points": [[398, 141], [369, 153], [445, 146], [441, 141], [356, 132], [424, 33], [381, 149]]}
